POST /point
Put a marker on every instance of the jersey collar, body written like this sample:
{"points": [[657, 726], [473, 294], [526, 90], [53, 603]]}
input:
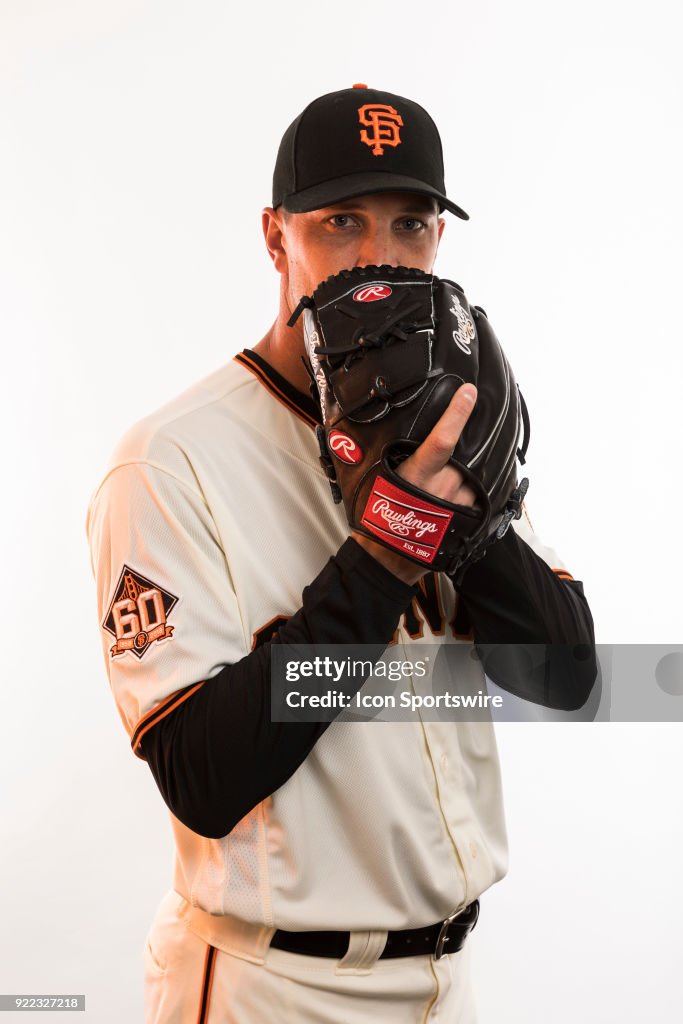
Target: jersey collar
{"points": [[296, 401]]}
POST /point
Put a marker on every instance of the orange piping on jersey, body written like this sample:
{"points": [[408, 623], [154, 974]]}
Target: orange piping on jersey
{"points": [[207, 982], [156, 714], [563, 574], [274, 390]]}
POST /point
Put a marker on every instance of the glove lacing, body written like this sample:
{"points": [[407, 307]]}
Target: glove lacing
{"points": [[396, 328]]}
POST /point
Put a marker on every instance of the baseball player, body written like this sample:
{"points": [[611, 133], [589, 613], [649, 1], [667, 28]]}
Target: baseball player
{"points": [[323, 872]]}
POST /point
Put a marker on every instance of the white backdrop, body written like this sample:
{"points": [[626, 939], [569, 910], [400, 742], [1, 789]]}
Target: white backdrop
{"points": [[138, 140]]}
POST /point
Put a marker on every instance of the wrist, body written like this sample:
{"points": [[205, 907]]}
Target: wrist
{"points": [[407, 571]]}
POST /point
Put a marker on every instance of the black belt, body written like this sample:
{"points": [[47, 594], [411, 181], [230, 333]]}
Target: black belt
{"points": [[443, 937]]}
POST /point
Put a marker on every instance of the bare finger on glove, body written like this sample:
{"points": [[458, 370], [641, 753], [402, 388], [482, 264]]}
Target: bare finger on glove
{"points": [[428, 466]]}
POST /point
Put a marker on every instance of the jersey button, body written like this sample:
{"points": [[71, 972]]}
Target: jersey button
{"points": [[473, 849], [444, 762]]}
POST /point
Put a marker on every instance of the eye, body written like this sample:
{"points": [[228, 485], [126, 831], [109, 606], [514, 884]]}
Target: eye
{"points": [[342, 220], [411, 224]]}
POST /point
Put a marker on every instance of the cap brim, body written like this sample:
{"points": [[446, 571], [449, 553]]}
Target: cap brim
{"points": [[352, 185]]}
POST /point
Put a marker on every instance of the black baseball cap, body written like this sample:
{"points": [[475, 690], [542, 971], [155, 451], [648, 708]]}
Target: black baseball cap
{"points": [[355, 142]]}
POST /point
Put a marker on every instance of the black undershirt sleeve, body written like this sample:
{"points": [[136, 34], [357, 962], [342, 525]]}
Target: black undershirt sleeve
{"points": [[218, 755], [515, 603]]}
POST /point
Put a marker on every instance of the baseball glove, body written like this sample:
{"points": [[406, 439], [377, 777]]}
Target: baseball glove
{"points": [[387, 348]]}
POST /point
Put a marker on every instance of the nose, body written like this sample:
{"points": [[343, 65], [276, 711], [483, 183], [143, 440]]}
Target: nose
{"points": [[378, 246]]}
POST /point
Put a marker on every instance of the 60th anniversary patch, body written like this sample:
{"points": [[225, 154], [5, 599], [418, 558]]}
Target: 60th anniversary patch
{"points": [[138, 613]]}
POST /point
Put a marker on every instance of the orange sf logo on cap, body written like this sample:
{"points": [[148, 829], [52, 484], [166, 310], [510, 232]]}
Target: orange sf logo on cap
{"points": [[384, 122]]}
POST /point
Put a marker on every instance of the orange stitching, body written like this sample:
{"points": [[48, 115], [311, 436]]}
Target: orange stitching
{"points": [[384, 121]]}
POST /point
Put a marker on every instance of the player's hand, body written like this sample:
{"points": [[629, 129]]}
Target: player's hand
{"points": [[428, 468]]}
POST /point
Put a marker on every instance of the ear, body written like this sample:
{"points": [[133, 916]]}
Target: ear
{"points": [[273, 233], [440, 230]]}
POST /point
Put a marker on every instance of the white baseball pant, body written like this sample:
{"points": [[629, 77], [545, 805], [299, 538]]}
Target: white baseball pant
{"points": [[201, 969]]}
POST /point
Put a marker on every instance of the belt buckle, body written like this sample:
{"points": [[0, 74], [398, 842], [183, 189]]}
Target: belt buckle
{"points": [[443, 933]]}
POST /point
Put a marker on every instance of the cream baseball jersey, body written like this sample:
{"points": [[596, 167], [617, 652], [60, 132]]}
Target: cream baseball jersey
{"points": [[213, 516]]}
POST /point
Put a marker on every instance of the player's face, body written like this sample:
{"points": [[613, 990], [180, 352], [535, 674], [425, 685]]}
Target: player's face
{"points": [[396, 228]]}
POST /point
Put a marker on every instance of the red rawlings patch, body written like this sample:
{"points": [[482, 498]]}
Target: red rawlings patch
{"points": [[137, 614], [372, 292], [405, 522], [345, 448]]}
